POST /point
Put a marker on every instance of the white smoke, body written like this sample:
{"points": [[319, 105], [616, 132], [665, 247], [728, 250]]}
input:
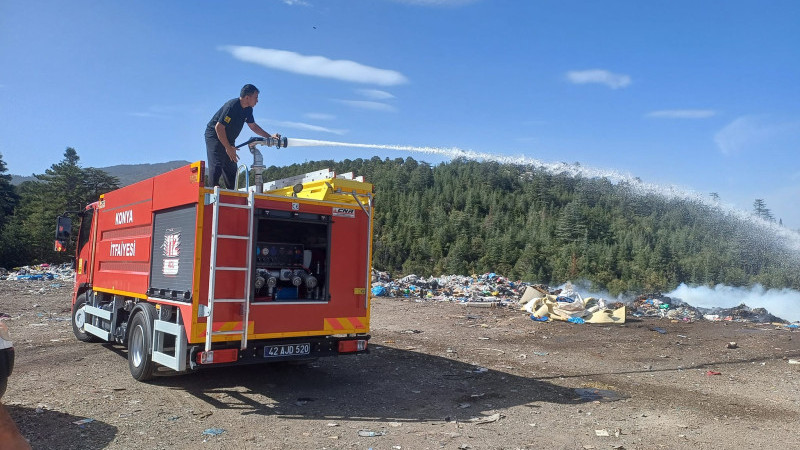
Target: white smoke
{"points": [[784, 303]]}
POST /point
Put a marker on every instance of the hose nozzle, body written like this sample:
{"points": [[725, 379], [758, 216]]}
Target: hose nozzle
{"points": [[277, 142], [272, 141]]}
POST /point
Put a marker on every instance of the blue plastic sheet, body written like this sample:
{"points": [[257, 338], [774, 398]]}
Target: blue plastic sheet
{"points": [[378, 291]]}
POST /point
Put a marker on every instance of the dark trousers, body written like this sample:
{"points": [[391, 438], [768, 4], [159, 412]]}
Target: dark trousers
{"points": [[220, 164]]}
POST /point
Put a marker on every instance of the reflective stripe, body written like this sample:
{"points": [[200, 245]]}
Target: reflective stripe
{"points": [[344, 323]]}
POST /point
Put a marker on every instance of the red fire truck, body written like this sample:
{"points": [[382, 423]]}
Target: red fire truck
{"points": [[190, 277]]}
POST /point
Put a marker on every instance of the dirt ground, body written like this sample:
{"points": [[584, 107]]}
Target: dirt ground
{"points": [[439, 375]]}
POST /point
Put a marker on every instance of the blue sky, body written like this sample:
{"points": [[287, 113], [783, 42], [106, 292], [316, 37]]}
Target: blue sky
{"points": [[703, 95]]}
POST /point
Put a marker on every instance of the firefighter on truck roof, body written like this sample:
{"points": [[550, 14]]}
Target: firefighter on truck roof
{"points": [[222, 131]]}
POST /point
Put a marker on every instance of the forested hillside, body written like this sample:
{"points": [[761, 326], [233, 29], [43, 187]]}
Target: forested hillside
{"points": [[466, 217]]}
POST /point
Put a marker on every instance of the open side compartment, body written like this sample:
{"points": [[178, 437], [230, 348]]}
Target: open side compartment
{"points": [[291, 256]]}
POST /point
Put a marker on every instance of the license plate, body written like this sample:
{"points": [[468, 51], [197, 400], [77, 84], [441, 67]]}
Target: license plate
{"points": [[276, 351]]}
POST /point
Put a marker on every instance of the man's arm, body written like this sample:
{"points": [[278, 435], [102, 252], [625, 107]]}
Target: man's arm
{"points": [[260, 131], [222, 135]]}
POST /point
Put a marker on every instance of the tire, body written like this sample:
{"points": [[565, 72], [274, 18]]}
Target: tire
{"points": [[79, 318], [140, 343], [3, 386]]}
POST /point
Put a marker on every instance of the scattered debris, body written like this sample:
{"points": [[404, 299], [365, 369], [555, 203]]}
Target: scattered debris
{"points": [[606, 433], [659, 330], [732, 345], [213, 431], [368, 433], [712, 373], [83, 421], [487, 419]]}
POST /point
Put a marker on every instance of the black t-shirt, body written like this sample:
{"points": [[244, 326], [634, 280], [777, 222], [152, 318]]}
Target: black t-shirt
{"points": [[233, 117]]}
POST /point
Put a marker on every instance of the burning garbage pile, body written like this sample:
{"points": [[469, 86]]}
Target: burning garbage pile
{"points": [[544, 303], [741, 313], [663, 307], [675, 309]]}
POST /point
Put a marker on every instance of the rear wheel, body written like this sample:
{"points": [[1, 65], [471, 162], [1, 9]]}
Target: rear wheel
{"points": [[140, 343], [79, 320]]}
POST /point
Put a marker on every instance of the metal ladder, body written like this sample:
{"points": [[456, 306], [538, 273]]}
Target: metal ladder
{"points": [[215, 238]]}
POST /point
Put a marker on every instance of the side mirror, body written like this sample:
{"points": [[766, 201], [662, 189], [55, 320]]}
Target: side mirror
{"points": [[63, 233]]}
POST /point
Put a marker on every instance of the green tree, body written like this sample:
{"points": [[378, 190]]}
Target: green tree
{"points": [[8, 195], [65, 187], [760, 210]]}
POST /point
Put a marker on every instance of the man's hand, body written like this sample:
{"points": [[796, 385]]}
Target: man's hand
{"points": [[231, 151]]}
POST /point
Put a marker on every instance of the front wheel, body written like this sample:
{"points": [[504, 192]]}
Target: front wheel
{"points": [[79, 320], [140, 343]]}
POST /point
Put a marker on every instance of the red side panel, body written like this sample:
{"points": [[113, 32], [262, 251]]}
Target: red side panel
{"points": [[125, 226], [122, 254], [177, 187]]}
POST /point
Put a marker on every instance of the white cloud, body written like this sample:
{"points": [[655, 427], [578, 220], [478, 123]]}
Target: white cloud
{"points": [[319, 116], [375, 94], [682, 114], [318, 66], [612, 80], [305, 126], [295, 2], [755, 133], [362, 104]]}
